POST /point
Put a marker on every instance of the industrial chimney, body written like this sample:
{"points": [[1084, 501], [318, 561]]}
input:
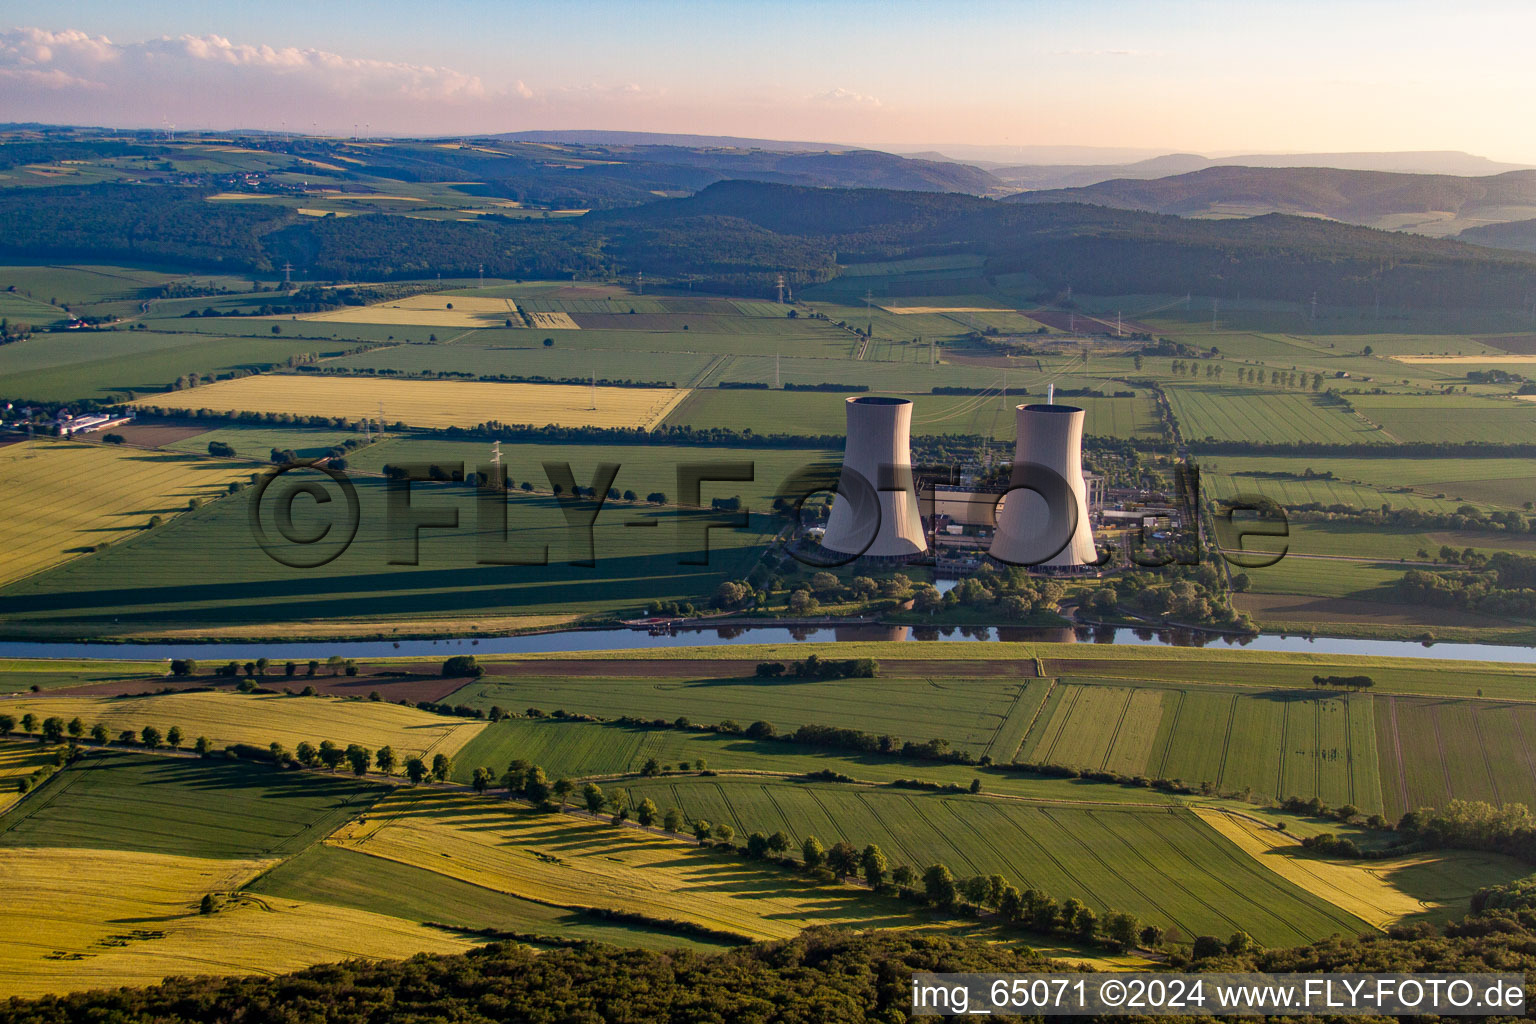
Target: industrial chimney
{"points": [[1032, 528], [875, 512]]}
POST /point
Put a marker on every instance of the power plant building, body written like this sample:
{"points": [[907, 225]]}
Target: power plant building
{"points": [[874, 514], [1030, 531]]}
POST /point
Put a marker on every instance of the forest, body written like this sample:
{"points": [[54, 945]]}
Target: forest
{"points": [[739, 235]]}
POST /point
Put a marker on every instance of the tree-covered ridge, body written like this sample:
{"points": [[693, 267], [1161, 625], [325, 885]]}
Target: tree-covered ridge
{"points": [[136, 223], [820, 977], [737, 235]]}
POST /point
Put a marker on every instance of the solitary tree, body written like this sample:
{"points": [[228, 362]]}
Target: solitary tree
{"points": [[843, 859], [203, 747], [724, 832], [76, 727], [174, 737], [592, 795], [331, 755], [360, 758], [874, 864], [334, 663], [7, 725], [646, 813], [307, 755], [53, 729], [28, 722], [673, 822], [812, 852], [150, 737], [481, 781], [651, 767], [701, 830], [939, 885], [385, 759], [442, 767], [415, 769], [563, 789]]}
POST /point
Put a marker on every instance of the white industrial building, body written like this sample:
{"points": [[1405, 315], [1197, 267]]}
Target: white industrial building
{"points": [[1029, 532], [877, 486]]}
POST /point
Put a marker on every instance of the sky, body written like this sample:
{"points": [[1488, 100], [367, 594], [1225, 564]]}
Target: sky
{"points": [[1250, 76]]}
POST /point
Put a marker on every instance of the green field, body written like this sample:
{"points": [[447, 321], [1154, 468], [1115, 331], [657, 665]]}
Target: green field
{"points": [[968, 712], [991, 415], [187, 806], [1438, 485], [343, 878], [207, 569], [107, 365], [1433, 751], [1236, 413], [642, 468], [253, 442], [576, 750], [1453, 419], [1162, 865], [1274, 744]]}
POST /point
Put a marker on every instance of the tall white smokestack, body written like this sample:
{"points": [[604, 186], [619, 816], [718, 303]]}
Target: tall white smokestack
{"points": [[875, 511], [1030, 531]]}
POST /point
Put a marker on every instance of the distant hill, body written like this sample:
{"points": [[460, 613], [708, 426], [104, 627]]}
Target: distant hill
{"points": [[1433, 204], [583, 137], [1043, 175], [1519, 235], [1096, 249]]}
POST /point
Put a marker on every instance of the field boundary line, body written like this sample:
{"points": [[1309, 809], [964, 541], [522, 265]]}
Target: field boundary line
{"points": [[1226, 740], [1077, 693], [1482, 751], [1397, 753], [1349, 748], [1034, 719], [1139, 854], [1173, 731], [1445, 768], [1285, 739], [1525, 748], [1109, 749]]}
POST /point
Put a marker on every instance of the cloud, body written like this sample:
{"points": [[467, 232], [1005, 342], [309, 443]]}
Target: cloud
{"points": [[845, 97], [77, 76]]}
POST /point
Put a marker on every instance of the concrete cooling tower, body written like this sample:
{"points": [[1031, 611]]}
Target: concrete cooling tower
{"points": [[875, 511], [1031, 528]]}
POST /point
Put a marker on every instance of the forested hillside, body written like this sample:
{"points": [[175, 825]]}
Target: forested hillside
{"points": [[734, 236]]}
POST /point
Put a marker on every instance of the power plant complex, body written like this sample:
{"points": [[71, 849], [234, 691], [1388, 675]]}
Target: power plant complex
{"points": [[1041, 521]]}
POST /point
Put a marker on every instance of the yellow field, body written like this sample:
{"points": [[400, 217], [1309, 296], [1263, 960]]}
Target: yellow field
{"points": [[64, 496], [1434, 883], [81, 919], [16, 761], [429, 403], [554, 321], [558, 859], [262, 719], [426, 311]]}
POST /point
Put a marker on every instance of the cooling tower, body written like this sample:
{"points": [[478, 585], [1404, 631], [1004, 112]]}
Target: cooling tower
{"points": [[1031, 527], [875, 512]]}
